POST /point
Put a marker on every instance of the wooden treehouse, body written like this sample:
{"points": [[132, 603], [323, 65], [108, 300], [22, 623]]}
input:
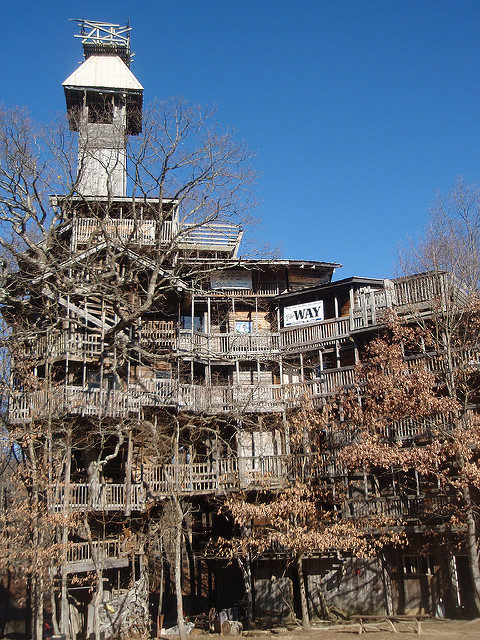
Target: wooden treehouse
{"points": [[190, 398]]}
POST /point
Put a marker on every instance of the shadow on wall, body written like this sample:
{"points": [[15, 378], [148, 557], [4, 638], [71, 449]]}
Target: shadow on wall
{"points": [[355, 585]]}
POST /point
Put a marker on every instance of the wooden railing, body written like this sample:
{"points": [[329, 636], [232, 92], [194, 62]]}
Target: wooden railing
{"points": [[59, 344], [95, 551], [261, 289], [227, 345], [188, 478], [414, 290], [154, 335], [314, 335], [158, 333], [270, 471], [410, 507], [219, 476], [125, 230], [402, 294], [104, 402], [327, 383], [97, 497], [213, 236]]}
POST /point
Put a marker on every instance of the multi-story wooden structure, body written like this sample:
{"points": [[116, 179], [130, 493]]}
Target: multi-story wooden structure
{"points": [[226, 351]]}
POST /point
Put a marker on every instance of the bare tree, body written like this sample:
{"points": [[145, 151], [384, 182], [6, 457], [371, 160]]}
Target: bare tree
{"points": [[87, 279]]}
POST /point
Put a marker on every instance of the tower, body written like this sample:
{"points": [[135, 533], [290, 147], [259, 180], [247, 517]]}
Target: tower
{"points": [[104, 104]]}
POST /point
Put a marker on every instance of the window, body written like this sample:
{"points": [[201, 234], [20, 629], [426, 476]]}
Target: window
{"points": [[418, 565], [243, 326], [186, 322]]}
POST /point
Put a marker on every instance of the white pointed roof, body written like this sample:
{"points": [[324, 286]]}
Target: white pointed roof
{"points": [[106, 72]]}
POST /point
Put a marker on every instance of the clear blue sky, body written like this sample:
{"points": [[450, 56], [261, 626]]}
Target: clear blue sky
{"points": [[359, 111]]}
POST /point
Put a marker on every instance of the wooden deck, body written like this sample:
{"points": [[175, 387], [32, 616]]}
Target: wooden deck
{"points": [[195, 478], [104, 402], [404, 295], [407, 295], [227, 474], [216, 477], [207, 236], [314, 335]]}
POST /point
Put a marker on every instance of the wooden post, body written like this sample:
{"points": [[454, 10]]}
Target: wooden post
{"points": [[193, 315], [350, 311], [128, 476], [372, 305], [63, 589]]}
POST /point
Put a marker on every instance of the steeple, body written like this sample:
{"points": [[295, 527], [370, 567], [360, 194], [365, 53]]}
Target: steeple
{"points": [[104, 104]]}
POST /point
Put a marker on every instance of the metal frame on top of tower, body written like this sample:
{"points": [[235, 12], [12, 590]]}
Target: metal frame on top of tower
{"points": [[105, 38]]}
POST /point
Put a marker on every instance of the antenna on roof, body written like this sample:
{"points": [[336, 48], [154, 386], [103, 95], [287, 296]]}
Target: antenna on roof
{"points": [[105, 38]]}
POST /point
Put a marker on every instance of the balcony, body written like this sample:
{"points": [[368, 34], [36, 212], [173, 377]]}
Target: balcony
{"points": [[88, 231], [204, 236], [228, 345], [411, 294], [404, 507], [86, 556], [262, 290], [60, 344], [166, 392], [155, 336], [227, 474], [314, 335], [97, 497], [403, 295]]}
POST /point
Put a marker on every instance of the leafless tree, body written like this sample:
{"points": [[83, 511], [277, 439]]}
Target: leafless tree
{"points": [[92, 270]]}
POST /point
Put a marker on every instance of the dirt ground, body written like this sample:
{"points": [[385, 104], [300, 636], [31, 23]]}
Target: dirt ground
{"points": [[441, 629]]}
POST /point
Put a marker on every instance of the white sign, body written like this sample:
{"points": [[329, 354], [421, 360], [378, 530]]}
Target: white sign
{"points": [[231, 279], [303, 313]]}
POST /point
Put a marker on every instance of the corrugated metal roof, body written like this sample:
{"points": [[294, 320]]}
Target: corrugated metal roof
{"points": [[106, 72]]}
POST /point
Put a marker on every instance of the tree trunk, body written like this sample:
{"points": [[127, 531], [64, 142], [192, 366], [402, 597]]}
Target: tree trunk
{"points": [[66, 500], [247, 583], [37, 608], [178, 568], [37, 582], [97, 603], [53, 605], [128, 475], [473, 557], [160, 591], [303, 592], [191, 568]]}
